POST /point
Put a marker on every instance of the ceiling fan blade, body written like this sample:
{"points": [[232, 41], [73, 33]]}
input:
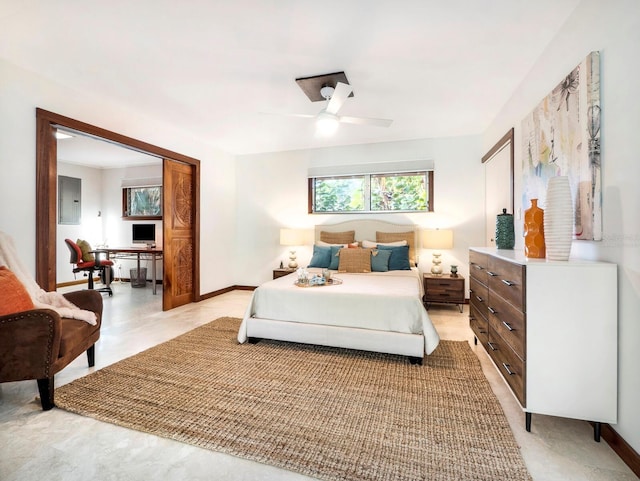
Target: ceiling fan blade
{"points": [[306, 116], [366, 121], [340, 94]]}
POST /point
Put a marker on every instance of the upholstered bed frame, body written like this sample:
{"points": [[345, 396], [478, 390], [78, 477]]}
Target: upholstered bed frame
{"points": [[411, 345]]}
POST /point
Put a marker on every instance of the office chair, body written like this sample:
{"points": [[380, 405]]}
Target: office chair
{"points": [[103, 266]]}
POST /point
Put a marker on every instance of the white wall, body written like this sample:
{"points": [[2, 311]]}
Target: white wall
{"points": [[613, 28], [272, 193], [22, 91]]}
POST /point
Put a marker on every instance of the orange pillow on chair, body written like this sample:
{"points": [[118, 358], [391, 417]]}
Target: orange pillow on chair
{"points": [[14, 295]]}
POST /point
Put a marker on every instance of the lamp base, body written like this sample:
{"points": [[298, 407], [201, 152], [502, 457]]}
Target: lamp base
{"points": [[292, 260], [436, 268]]}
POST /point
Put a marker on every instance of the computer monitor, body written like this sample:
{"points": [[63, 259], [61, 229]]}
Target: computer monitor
{"points": [[144, 234]]}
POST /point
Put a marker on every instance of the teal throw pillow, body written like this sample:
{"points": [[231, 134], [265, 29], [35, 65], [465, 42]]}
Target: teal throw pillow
{"points": [[321, 257], [380, 260], [399, 260], [335, 259]]}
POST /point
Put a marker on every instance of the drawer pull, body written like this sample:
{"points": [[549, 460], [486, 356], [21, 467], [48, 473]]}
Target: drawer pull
{"points": [[509, 371], [479, 299], [481, 331], [507, 325], [492, 274], [470, 291], [509, 283], [477, 267], [491, 346], [491, 310]]}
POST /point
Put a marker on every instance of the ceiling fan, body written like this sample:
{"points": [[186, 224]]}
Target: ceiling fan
{"points": [[327, 120]]}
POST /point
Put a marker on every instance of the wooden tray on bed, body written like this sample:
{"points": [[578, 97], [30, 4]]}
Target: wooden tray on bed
{"points": [[334, 281]]}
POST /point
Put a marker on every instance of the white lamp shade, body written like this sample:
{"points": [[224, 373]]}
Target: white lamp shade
{"points": [[437, 239], [292, 237]]}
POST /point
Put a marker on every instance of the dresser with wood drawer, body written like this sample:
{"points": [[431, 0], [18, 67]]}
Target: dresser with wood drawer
{"points": [[550, 327]]}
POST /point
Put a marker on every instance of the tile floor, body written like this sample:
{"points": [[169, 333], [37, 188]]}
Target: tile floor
{"points": [[58, 445]]}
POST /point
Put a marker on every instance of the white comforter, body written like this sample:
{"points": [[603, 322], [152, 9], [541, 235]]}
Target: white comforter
{"points": [[384, 301]]}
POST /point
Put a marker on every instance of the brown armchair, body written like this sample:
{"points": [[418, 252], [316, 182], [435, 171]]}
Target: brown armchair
{"points": [[38, 343]]}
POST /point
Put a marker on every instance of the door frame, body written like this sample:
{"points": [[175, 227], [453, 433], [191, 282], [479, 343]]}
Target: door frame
{"points": [[46, 189], [506, 142]]}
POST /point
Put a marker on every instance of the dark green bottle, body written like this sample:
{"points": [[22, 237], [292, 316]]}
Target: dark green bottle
{"points": [[505, 235]]}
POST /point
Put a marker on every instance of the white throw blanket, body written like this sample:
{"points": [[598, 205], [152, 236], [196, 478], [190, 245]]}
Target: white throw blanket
{"points": [[41, 299]]}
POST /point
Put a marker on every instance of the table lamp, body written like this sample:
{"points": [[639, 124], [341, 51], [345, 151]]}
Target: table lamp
{"points": [[437, 239], [292, 238]]}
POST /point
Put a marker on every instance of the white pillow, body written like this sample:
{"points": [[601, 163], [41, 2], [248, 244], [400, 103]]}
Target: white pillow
{"points": [[326, 244], [372, 245]]}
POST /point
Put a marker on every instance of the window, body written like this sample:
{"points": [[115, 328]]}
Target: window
{"points": [[389, 192], [142, 202]]}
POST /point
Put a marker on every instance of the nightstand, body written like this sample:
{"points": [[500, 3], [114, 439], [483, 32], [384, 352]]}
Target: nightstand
{"points": [[282, 272], [443, 289]]}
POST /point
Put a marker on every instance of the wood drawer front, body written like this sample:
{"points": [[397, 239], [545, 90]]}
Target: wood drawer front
{"points": [[509, 364], [479, 296], [508, 322], [507, 279], [478, 265], [479, 325], [446, 289]]}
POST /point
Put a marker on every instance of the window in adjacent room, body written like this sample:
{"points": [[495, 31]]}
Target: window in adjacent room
{"points": [[380, 192], [142, 202]]}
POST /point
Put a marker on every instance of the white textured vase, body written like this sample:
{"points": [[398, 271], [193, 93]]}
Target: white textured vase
{"points": [[558, 219]]}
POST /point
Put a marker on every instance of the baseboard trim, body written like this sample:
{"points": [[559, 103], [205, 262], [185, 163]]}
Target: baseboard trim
{"points": [[76, 282], [219, 292], [629, 455]]}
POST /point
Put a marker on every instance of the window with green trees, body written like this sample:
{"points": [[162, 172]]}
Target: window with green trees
{"points": [[395, 192]]}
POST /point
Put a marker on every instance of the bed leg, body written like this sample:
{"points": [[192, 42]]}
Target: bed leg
{"points": [[415, 360], [253, 340]]}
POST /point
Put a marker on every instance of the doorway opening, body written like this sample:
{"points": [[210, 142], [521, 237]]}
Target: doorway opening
{"points": [[46, 205]]}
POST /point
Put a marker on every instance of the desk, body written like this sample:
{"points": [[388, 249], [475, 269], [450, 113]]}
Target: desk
{"points": [[131, 252]]}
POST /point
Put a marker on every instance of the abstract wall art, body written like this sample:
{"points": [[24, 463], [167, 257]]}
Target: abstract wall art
{"points": [[561, 136]]}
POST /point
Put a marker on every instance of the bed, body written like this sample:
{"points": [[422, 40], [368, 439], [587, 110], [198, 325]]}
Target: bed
{"points": [[371, 311]]}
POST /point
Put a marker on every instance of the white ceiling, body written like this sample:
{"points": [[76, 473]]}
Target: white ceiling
{"points": [[213, 67]]}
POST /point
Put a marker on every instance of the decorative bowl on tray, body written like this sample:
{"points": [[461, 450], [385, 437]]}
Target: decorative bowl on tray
{"points": [[315, 282]]}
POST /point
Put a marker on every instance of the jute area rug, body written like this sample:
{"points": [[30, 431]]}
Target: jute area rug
{"points": [[327, 413]]}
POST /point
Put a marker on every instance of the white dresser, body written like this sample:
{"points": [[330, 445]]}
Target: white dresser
{"points": [[551, 328]]}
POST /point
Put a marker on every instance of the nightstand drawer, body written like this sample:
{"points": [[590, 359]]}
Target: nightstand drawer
{"points": [[282, 272], [444, 289]]}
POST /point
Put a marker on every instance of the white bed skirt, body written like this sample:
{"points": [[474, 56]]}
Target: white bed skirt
{"points": [[337, 336]]}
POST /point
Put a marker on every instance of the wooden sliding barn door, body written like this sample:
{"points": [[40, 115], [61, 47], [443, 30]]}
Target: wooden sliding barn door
{"points": [[179, 234]]}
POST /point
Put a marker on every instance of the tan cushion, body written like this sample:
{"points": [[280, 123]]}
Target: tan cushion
{"points": [[14, 295], [354, 260], [346, 237], [410, 237], [85, 247]]}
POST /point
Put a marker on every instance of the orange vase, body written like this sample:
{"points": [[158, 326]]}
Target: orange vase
{"points": [[534, 246]]}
